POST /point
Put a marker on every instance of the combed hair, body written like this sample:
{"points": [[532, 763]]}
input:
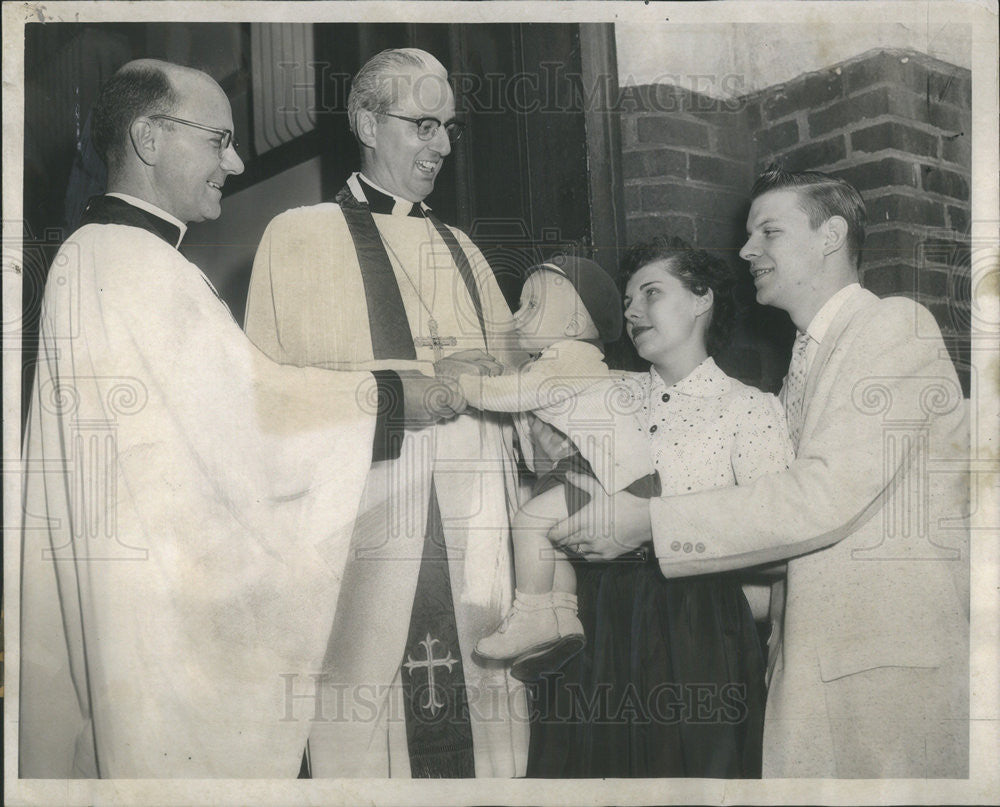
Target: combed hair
{"points": [[130, 93], [821, 196], [699, 271], [374, 87]]}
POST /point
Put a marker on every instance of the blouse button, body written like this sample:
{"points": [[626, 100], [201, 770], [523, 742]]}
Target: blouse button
{"points": [[652, 428], [666, 397]]}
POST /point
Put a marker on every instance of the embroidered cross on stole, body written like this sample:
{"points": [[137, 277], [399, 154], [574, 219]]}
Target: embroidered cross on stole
{"points": [[438, 729]]}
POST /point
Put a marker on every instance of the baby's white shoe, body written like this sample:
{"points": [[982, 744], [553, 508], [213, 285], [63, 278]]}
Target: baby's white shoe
{"points": [[540, 632]]}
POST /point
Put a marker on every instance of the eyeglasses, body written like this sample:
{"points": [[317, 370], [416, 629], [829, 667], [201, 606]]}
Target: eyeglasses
{"points": [[428, 127], [226, 138]]}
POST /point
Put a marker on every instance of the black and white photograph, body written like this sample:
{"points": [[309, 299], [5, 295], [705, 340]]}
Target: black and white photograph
{"points": [[501, 403]]}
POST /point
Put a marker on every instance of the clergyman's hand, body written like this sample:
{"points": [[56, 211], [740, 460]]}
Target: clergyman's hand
{"points": [[467, 362], [427, 400], [607, 526]]}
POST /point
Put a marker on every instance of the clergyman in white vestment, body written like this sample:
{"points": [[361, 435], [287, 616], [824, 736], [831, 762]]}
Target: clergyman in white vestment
{"points": [[375, 280]]}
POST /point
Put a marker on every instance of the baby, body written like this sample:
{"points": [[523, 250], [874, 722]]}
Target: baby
{"points": [[568, 308]]}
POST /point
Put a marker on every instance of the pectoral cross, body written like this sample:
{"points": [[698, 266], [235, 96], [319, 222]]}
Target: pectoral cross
{"points": [[435, 340]]}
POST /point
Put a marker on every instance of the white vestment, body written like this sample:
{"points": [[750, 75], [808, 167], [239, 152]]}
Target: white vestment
{"points": [[307, 306], [182, 548]]}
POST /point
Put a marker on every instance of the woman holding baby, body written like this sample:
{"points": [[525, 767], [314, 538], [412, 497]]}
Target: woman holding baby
{"points": [[671, 680]]}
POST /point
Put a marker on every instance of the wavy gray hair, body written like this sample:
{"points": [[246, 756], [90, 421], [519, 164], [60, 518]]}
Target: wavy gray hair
{"points": [[375, 87]]}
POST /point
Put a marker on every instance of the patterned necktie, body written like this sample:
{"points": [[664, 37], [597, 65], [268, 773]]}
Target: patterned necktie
{"points": [[795, 386]]}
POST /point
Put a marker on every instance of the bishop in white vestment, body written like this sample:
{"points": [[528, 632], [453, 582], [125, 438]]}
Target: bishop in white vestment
{"points": [[309, 305]]}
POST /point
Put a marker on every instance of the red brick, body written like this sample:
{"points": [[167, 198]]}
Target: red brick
{"points": [[650, 98], [629, 138], [879, 174], [933, 283], [897, 101], [947, 183], [950, 317], [686, 200], [934, 81], [955, 88], [723, 112], [657, 163], [890, 279], [644, 228], [945, 252], [723, 236], [712, 109], [843, 113], [894, 135], [815, 155], [958, 218], [957, 149], [673, 130], [894, 245], [945, 116], [777, 137], [883, 68], [805, 93], [633, 199], [716, 171], [895, 207], [731, 141]]}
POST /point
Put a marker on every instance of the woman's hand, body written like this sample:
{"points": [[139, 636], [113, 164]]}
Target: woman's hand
{"points": [[608, 526]]}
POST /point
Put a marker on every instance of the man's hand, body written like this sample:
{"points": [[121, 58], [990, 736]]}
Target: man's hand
{"points": [[608, 526], [473, 362], [427, 400]]}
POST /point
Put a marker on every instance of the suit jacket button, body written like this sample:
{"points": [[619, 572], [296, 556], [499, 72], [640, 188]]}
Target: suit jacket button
{"points": [[676, 546], [666, 397], [652, 428], [688, 547]]}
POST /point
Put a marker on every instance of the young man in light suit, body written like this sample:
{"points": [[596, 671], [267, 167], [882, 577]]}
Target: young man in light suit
{"points": [[871, 671]]}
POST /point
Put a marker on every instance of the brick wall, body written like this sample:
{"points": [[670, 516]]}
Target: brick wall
{"points": [[687, 164], [895, 124]]}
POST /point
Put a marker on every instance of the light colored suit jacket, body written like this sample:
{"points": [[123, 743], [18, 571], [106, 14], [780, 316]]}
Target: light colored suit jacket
{"points": [[870, 518]]}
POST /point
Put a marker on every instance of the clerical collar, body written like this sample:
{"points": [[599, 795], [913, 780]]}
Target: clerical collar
{"points": [[381, 201], [119, 208]]}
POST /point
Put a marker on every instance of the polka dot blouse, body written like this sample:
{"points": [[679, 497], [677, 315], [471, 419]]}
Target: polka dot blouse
{"points": [[710, 431]]}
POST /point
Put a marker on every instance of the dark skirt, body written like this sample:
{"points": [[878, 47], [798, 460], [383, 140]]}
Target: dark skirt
{"points": [[671, 682]]}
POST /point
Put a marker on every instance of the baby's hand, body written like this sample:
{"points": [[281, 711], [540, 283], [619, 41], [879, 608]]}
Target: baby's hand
{"points": [[467, 362]]}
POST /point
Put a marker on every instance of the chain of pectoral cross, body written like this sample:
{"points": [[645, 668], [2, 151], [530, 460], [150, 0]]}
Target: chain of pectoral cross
{"points": [[435, 341]]}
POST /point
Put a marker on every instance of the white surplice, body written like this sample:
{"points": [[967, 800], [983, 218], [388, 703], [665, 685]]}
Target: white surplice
{"points": [[182, 547], [307, 306]]}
